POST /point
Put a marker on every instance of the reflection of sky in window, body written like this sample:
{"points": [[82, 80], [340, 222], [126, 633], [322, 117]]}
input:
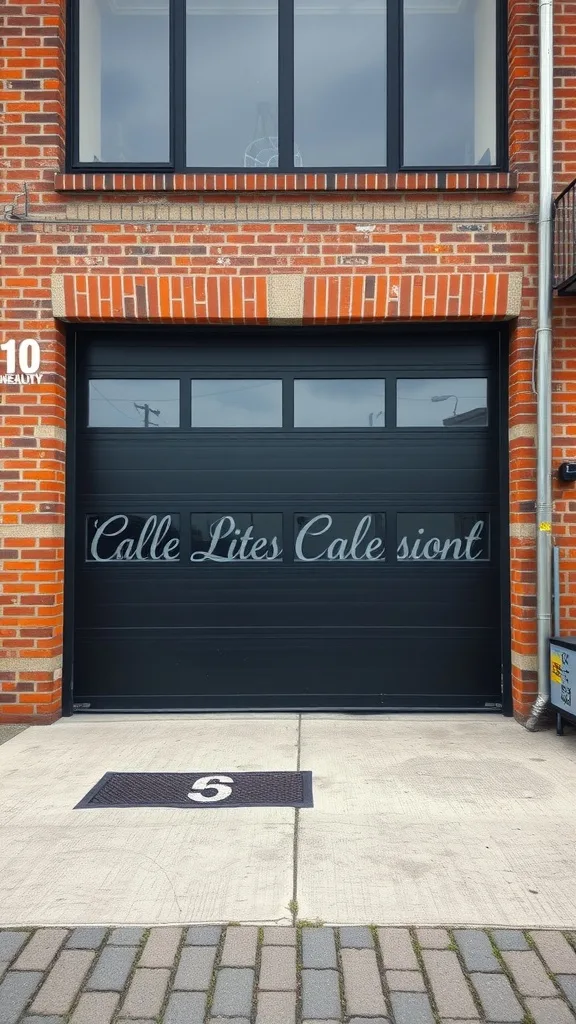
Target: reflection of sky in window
{"points": [[339, 403], [419, 404], [237, 403], [112, 403], [232, 77], [340, 82], [441, 59], [135, 81]]}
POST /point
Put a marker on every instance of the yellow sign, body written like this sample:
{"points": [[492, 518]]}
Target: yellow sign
{"points": [[556, 668]]}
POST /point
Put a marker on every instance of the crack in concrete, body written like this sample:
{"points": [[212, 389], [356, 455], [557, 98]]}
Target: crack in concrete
{"points": [[294, 902]]}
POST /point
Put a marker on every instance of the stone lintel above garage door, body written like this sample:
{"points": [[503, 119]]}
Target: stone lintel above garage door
{"points": [[285, 298]]}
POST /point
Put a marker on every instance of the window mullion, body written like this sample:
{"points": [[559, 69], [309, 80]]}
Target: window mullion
{"points": [[73, 83], [395, 53], [178, 84], [285, 85], [501, 83]]}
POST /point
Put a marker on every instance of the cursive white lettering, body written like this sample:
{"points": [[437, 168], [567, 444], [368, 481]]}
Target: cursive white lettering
{"points": [[336, 550], [474, 537], [452, 549], [259, 545], [128, 538], [247, 539], [375, 545], [149, 546], [218, 531], [456, 544], [173, 545], [340, 549], [102, 531], [163, 527], [125, 551], [145, 533], [415, 553], [307, 530], [242, 548], [431, 548], [403, 550], [275, 551]]}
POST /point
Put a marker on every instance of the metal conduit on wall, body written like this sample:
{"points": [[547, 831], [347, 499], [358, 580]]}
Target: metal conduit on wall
{"points": [[544, 362]]}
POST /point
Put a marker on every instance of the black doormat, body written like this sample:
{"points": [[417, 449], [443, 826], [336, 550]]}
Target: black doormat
{"points": [[201, 789]]}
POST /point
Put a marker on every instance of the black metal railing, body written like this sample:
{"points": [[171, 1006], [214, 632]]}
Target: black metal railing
{"points": [[565, 240]]}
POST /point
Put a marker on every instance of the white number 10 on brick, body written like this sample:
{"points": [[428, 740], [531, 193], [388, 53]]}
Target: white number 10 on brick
{"points": [[22, 358]]}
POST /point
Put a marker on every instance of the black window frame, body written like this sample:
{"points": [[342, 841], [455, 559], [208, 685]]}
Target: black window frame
{"points": [[288, 377], [394, 102]]}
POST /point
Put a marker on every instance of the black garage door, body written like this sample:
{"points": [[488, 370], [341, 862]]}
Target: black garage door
{"points": [[284, 518]]}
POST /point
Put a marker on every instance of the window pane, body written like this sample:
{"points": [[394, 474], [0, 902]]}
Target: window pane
{"points": [[125, 537], [443, 537], [339, 403], [340, 83], [340, 537], [239, 537], [449, 82], [232, 83], [237, 403], [134, 403], [448, 402], [124, 81]]}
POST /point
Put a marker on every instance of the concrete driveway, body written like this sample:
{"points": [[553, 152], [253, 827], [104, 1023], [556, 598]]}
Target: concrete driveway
{"points": [[420, 819]]}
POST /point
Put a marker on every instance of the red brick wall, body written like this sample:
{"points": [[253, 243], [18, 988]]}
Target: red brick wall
{"points": [[393, 230], [564, 364]]}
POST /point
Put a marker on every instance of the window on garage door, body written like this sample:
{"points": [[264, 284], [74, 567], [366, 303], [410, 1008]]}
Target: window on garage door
{"points": [[314, 402]]}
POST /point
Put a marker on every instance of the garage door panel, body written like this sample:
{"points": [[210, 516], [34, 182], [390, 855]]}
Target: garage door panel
{"points": [[272, 492], [215, 485], [256, 615], [277, 671], [261, 349], [234, 454], [290, 596]]}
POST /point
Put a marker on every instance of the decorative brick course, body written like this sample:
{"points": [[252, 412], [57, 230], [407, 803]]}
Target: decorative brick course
{"points": [[424, 296], [327, 299], [469, 181], [175, 298]]}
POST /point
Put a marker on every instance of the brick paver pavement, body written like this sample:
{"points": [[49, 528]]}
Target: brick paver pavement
{"points": [[238, 974]]}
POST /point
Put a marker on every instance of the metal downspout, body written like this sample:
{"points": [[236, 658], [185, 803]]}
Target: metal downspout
{"points": [[544, 362]]}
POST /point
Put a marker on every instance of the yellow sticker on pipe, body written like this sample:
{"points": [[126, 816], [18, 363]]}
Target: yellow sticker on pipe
{"points": [[545, 527]]}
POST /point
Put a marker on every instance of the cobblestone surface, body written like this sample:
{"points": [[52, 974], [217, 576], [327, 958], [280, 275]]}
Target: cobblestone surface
{"points": [[239, 974]]}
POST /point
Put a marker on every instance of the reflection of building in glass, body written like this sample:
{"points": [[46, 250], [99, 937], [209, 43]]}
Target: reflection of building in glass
{"points": [[473, 418]]}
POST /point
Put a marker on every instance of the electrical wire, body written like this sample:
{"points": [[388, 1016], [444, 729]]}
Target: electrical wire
{"points": [[121, 411]]}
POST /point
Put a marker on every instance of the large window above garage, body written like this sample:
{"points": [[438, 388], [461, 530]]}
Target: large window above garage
{"points": [[290, 85]]}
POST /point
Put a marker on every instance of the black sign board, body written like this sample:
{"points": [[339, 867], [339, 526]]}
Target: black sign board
{"points": [[201, 789]]}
